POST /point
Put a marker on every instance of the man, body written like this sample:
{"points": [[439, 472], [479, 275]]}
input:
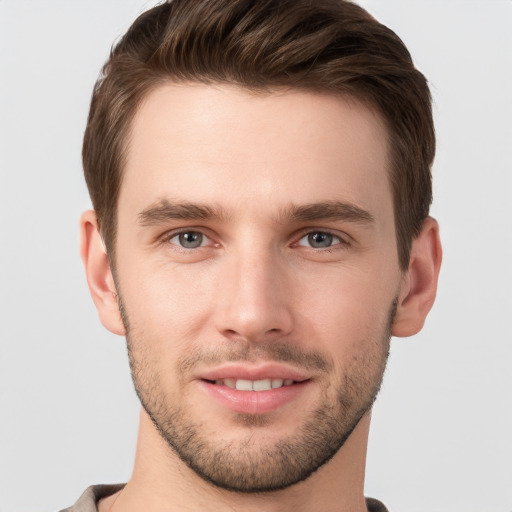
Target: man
{"points": [[260, 176]]}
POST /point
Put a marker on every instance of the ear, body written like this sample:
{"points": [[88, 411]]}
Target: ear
{"points": [[419, 284], [99, 275]]}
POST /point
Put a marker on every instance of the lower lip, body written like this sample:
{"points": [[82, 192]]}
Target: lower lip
{"points": [[254, 402]]}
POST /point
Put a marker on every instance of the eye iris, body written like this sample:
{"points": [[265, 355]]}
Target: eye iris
{"points": [[320, 240], [191, 239]]}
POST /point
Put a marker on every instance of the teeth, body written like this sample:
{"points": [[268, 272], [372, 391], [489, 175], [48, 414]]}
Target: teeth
{"points": [[262, 385], [277, 383], [230, 383], [244, 385], [254, 385]]}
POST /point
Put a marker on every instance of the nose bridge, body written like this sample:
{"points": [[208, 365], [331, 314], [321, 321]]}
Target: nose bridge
{"points": [[253, 298]]}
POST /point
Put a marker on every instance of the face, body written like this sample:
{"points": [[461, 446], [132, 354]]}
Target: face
{"points": [[257, 274]]}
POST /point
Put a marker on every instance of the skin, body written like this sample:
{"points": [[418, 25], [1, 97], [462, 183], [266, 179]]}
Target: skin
{"points": [[256, 281]]}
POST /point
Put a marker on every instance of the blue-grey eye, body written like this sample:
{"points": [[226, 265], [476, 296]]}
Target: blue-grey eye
{"points": [[319, 240], [189, 239]]}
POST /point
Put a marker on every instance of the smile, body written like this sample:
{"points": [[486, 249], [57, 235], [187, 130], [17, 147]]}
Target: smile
{"points": [[253, 385], [254, 397], [254, 388]]}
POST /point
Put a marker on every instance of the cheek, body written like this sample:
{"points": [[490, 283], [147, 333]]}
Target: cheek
{"points": [[340, 307], [168, 305], [347, 313], [346, 297]]}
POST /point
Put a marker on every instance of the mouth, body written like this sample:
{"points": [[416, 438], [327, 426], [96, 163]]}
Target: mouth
{"points": [[253, 385], [254, 389]]}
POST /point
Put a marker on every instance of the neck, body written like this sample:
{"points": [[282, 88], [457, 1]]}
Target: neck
{"points": [[161, 481]]}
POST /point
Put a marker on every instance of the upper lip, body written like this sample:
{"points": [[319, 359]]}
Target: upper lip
{"points": [[253, 372]]}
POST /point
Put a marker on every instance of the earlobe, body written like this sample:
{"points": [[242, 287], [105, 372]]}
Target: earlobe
{"points": [[99, 274], [419, 285]]}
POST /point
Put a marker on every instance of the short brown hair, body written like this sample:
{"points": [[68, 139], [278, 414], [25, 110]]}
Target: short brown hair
{"points": [[331, 46]]}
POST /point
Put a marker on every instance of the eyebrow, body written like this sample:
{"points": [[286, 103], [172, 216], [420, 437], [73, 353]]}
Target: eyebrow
{"points": [[165, 210], [329, 210]]}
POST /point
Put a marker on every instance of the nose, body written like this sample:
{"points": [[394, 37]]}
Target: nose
{"points": [[254, 300]]}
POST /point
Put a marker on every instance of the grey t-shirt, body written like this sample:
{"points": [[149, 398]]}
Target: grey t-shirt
{"points": [[89, 500]]}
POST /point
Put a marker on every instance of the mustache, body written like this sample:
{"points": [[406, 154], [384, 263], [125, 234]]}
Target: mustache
{"points": [[244, 351]]}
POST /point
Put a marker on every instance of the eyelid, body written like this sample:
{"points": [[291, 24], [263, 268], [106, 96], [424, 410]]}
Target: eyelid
{"points": [[168, 235], [344, 239], [335, 243], [203, 243]]}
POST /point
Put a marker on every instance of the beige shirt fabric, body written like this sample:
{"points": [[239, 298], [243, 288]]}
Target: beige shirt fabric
{"points": [[89, 500]]}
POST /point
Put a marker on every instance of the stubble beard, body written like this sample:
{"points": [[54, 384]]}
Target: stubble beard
{"points": [[249, 467]]}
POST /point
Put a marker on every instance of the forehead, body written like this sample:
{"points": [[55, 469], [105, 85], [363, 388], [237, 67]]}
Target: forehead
{"points": [[225, 145]]}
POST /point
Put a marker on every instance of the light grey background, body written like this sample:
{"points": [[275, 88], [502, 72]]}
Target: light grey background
{"points": [[441, 434]]}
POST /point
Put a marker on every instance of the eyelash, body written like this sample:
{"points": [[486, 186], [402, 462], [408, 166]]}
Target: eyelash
{"points": [[341, 242], [167, 237]]}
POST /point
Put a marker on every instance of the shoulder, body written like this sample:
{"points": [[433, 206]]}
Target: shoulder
{"points": [[374, 505], [89, 499]]}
